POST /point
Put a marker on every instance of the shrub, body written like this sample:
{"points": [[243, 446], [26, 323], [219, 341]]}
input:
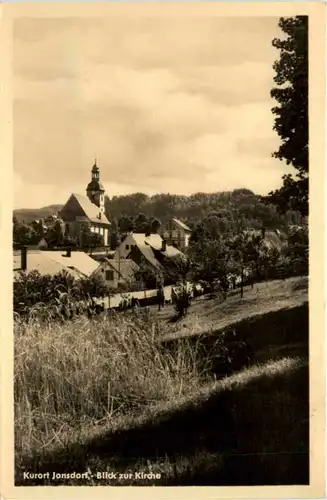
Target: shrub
{"points": [[181, 300], [34, 292]]}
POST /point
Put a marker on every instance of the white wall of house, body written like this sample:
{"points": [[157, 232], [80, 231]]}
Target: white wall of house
{"points": [[125, 247], [176, 236], [106, 236], [109, 275]]}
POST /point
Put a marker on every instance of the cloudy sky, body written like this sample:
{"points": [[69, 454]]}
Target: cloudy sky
{"points": [[167, 103]]}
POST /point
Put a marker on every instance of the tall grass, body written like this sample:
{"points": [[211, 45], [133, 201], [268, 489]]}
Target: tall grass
{"points": [[79, 374]]}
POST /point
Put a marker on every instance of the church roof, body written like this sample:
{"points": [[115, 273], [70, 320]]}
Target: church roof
{"points": [[95, 185], [91, 211]]}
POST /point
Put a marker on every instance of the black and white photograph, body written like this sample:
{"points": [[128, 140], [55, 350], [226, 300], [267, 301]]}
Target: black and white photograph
{"points": [[160, 247]]}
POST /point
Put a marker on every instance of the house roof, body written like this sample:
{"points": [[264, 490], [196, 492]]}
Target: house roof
{"points": [[172, 252], [182, 225], [272, 238], [124, 267], [80, 262], [41, 262], [147, 252], [154, 240], [146, 244], [91, 211]]}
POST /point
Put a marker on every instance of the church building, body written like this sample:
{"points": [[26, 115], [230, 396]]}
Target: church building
{"points": [[81, 211]]}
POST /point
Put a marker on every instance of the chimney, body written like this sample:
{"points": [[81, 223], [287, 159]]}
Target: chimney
{"points": [[68, 252], [24, 258], [163, 245], [147, 233], [263, 232]]}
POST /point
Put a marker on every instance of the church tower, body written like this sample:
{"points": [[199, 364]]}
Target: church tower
{"points": [[95, 190]]}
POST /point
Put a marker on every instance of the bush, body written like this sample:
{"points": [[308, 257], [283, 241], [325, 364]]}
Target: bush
{"points": [[181, 300], [49, 294]]}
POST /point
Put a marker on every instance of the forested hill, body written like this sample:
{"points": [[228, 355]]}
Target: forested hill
{"points": [[27, 215], [240, 203]]}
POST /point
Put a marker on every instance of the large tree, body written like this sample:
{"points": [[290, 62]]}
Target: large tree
{"points": [[291, 112]]}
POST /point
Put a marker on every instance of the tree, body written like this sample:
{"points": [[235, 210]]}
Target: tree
{"points": [[114, 240], [24, 234], [246, 250], [89, 239], [155, 225], [126, 224], [96, 240], [56, 234], [291, 122], [141, 223], [211, 259], [297, 248]]}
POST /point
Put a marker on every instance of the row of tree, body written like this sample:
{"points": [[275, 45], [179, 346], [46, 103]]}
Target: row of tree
{"points": [[161, 207], [54, 234]]}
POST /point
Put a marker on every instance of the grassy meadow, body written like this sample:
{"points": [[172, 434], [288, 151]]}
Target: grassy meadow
{"points": [[103, 394]]}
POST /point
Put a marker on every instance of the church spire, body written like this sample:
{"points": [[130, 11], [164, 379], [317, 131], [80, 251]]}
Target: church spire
{"points": [[95, 190]]}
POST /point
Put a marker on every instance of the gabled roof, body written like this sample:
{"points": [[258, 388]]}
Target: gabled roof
{"points": [[154, 240], [182, 225], [41, 262], [147, 252], [126, 268], [146, 244], [91, 211], [172, 252], [272, 238], [80, 262]]}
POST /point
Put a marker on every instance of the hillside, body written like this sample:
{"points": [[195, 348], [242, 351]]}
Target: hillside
{"points": [[29, 214], [227, 434], [211, 315], [240, 203], [157, 411]]}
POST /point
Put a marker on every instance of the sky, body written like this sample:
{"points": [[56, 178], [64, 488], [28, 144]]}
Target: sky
{"points": [[166, 103]]}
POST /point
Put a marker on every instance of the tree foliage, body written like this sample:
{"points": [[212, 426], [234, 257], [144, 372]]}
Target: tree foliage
{"points": [[91, 239], [56, 234], [291, 112], [31, 289]]}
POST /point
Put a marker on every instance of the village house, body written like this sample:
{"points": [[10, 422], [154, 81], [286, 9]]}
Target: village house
{"points": [[77, 264], [118, 272], [82, 211], [80, 262], [143, 241], [150, 252], [176, 233], [271, 238]]}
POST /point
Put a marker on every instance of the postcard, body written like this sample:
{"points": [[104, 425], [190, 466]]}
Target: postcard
{"points": [[163, 270]]}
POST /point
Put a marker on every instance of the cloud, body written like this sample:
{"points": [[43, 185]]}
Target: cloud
{"points": [[165, 104]]}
